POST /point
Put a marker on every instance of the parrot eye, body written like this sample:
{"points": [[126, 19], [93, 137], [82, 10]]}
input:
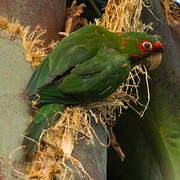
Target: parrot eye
{"points": [[147, 46]]}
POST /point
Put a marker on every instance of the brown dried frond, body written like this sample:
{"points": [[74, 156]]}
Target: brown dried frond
{"points": [[3, 23], [123, 15], [13, 29], [44, 163], [131, 89], [57, 145], [78, 119], [9, 30], [171, 10], [34, 45], [35, 51], [73, 20], [126, 95]]}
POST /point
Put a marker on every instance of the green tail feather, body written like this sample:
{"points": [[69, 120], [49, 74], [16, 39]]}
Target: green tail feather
{"points": [[44, 118], [39, 78]]}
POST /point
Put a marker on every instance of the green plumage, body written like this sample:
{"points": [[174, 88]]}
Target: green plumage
{"points": [[88, 65], [43, 119]]}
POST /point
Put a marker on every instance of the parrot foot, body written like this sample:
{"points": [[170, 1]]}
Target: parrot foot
{"points": [[115, 144]]}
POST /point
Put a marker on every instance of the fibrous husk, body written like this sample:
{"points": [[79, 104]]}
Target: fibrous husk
{"points": [[35, 50], [171, 10], [73, 19], [172, 13], [123, 15]]}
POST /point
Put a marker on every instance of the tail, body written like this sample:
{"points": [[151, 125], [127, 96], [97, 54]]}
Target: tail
{"points": [[44, 118]]}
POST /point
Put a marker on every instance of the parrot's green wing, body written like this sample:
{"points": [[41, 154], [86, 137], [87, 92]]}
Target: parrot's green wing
{"points": [[39, 78], [78, 47], [92, 80]]}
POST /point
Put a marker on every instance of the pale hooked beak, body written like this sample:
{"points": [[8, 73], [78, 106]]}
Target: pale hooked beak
{"points": [[152, 61]]}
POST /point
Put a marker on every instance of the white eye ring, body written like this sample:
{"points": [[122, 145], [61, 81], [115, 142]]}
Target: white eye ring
{"points": [[147, 46]]}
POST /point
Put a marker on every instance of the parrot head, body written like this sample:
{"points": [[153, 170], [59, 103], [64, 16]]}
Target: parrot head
{"points": [[142, 46]]}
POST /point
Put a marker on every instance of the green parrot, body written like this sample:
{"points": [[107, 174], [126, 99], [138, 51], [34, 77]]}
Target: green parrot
{"points": [[87, 66]]}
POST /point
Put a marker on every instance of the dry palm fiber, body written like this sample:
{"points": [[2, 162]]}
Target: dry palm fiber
{"points": [[172, 13], [171, 10], [35, 51], [51, 157], [123, 15]]}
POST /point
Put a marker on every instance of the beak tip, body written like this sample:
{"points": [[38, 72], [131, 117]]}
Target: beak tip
{"points": [[155, 61]]}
